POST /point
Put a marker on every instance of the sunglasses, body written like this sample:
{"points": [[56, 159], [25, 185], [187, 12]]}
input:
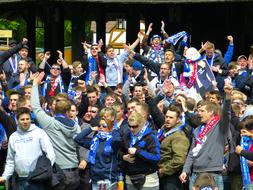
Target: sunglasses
{"points": [[133, 126], [103, 125], [56, 68], [94, 48]]}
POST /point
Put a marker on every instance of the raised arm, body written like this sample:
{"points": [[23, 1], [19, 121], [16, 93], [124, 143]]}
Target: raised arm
{"points": [[226, 111], [43, 118], [7, 54]]}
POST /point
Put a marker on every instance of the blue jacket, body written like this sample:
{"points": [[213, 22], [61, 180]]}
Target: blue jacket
{"points": [[106, 166]]}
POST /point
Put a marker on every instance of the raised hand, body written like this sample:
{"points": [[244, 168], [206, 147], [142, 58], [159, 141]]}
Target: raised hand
{"points": [[230, 39], [162, 26], [24, 41], [47, 55], [149, 29], [22, 77], [140, 36], [100, 43], [60, 54], [85, 46], [38, 78]]}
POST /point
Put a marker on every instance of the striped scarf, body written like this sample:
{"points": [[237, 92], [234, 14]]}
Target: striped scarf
{"points": [[58, 81], [95, 144], [92, 67], [176, 37], [245, 144]]}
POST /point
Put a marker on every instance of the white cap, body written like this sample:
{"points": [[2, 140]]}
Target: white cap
{"points": [[192, 54]]}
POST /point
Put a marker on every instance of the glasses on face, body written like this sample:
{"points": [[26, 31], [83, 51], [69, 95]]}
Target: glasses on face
{"points": [[104, 125], [94, 48], [56, 68], [133, 126]]}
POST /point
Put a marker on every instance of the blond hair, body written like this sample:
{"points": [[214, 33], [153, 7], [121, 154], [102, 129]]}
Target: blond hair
{"points": [[136, 118]]}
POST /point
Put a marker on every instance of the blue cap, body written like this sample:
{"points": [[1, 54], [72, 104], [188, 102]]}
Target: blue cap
{"points": [[155, 36], [137, 65]]}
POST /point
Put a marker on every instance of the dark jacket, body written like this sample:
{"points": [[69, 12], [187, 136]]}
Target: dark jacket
{"points": [[147, 155], [156, 67], [106, 166], [218, 60]]}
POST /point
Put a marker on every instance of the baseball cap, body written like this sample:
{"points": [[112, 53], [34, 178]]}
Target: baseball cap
{"points": [[155, 36], [12, 43], [25, 47]]}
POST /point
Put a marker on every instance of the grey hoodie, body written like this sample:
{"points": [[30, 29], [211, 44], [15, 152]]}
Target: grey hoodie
{"points": [[60, 133], [24, 149]]}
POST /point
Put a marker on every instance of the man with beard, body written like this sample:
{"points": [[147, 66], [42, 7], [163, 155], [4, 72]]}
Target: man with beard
{"points": [[174, 148]]}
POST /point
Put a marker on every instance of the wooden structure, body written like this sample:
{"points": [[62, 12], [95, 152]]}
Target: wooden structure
{"points": [[5, 36], [209, 20]]}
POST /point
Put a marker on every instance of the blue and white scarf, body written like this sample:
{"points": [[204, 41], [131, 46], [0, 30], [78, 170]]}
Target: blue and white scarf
{"points": [[176, 37], [138, 136], [209, 60], [157, 55], [174, 71], [71, 91], [161, 135], [95, 144], [48, 80], [245, 144], [92, 67]]}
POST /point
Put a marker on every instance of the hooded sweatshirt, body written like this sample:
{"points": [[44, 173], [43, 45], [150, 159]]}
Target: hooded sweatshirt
{"points": [[24, 149], [61, 131]]}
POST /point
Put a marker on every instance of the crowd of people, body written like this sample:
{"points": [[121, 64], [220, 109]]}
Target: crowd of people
{"points": [[170, 118]]}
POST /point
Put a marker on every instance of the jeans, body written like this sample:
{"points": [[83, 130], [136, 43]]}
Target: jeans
{"points": [[217, 178]]}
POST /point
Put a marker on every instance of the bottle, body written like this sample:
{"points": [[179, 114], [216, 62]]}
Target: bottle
{"points": [[120, 182]]}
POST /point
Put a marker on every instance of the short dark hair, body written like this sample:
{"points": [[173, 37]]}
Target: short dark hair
{"points": [[22, 110], [175, 108], [190, 104], [108, 47], [247, 123], [91, 89], [216, 93]]}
